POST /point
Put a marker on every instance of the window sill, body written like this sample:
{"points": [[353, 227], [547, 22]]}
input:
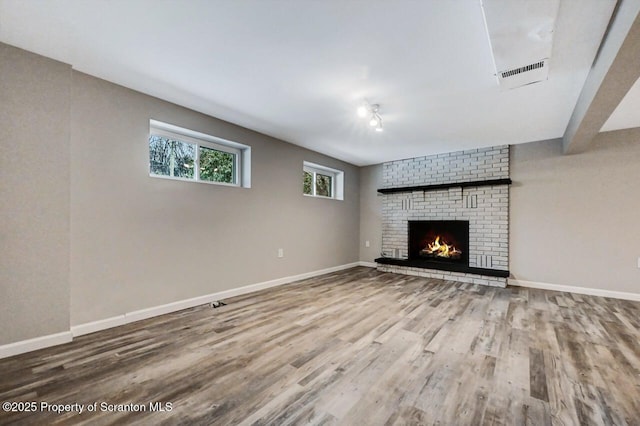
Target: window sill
{"points": [[323, 197], [235, 185]]}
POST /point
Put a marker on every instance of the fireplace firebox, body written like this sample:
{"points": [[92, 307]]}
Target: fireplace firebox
{"points": [[441, 241]]}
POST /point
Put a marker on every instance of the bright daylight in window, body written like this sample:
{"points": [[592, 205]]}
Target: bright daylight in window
{"points": [[322, 181], [177, 153]]}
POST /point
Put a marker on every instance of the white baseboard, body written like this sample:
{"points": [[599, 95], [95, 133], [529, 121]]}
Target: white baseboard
{"points": [[91, 327], [368, 264], [572, 289], [29, 345], [103, 324]]}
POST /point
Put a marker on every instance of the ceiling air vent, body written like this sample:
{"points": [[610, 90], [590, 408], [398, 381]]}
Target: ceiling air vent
{"points": [[521, 38], [516, 71], [522, 76]]}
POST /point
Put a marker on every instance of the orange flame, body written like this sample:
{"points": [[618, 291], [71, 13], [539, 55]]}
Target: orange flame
{"points": [[442, 249]]}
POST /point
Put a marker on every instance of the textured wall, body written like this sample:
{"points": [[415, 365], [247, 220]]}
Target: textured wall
{"points": [[87, 234], [139, 242], [34, 171], [574, 218], [461, 166], [370, 212]]}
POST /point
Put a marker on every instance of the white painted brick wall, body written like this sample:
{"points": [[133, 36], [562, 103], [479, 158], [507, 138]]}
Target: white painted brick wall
{"points": [[461, 166], [488, 221]]}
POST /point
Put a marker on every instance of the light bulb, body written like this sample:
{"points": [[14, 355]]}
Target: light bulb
{"points": [[362, 111], [373, 122], [379, 129]]}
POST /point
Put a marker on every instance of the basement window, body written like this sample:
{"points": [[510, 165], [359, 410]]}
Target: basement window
{"points": [[183, 154], [321, 181]]}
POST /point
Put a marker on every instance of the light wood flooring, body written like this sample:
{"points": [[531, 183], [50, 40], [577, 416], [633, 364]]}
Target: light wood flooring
{"points": [[357, 347]]}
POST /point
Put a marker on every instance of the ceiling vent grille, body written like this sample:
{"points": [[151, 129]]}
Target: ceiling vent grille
{"points": [[522, 76], [516, 71], [521, 39]]}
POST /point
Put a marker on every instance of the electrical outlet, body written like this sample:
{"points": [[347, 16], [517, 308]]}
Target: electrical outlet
{"points": [[367, 243], [280, 252]]}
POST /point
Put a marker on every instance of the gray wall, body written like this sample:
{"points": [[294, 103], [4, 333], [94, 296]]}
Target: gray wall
{"points": [[88, 235], [34, 171], [370, 212], [138, 242], [574, 218]]}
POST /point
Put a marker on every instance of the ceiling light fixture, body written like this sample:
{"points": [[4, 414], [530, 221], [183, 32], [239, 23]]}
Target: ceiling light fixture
{"points": [[371, 110]]}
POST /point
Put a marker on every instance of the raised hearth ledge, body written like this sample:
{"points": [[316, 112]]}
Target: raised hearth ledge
{"points": [[445, 275], [441, 266]]}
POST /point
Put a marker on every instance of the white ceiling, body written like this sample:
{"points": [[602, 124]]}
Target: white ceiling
{"points": [[297, 70]]}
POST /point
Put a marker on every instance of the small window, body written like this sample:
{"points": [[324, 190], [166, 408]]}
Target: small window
{"points": [[177, 153], [170, 157], [217, 166], [322, 181]]}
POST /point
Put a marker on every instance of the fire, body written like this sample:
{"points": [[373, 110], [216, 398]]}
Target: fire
{"points": [[441, 249]]}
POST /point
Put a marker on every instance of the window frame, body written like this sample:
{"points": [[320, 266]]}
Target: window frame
{"points": [[337, 180], [241, 153]]}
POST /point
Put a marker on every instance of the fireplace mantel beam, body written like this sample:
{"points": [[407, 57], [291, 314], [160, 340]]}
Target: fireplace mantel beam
{"points": [[440, 186]]}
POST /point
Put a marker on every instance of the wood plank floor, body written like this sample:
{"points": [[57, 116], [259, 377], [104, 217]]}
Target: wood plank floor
{"points": [[357, 347]]}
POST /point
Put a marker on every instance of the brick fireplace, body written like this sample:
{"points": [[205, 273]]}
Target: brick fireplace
{"points": [[467, 186]]}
